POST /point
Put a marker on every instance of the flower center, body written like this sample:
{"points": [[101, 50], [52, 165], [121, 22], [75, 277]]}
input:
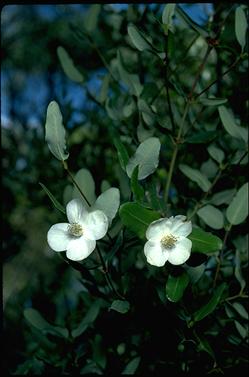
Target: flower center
{"points": [[168, 241], [75, 229]]}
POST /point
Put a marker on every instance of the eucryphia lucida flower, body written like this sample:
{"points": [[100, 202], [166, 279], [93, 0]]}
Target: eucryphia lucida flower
{"points": [[78, 237], [167, 241]]}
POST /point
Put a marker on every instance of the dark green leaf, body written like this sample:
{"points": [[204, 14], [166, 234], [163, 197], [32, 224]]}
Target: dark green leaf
{"points": [[201, 137], [212, 101], [136, 188], [132, 366], [53, 199], [137, 218], [36, 320], [120, 306], [176, 286], [138, 38], [88, 319], [122, 153], [204, 242], [208, 308]]}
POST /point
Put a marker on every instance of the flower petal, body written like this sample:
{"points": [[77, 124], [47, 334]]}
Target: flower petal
{"points": [[154, 253], [181, 252], [157, 228], [181, 227], [80, 248], [76, 211], [95, 225], [58, 236]]}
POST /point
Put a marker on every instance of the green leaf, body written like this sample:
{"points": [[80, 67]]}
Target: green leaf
{"points": [[167, 17], [53, 199], [122, 153], [204, 242], [132, 366], [99, 350], [212, 101], [88, 319], [222, 197], [196, 176], [216, 153], [201, 137], [86, 183], [146, 156], [55, 132], [240, 26], [36, 320], [176, 286], [137, 218], [237, 271], [189, 22], [108, 202], [195, 273], [120, 306], [241, 329], [230, 125], [136, 188], [138, 38], [208, 308], [91, 18], [237, 211], [131, 80], [205, 346], [68, 66], [212, 216], [241, 310]]}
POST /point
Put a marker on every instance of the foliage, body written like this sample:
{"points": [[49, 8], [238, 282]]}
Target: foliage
{"points": [[164, 134]]}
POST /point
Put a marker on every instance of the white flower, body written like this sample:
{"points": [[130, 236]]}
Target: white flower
{"points": [[167, 241], [78, 237]]}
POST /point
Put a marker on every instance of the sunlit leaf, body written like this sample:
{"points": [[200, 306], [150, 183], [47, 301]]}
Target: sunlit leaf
{"points": [[167, 16], [68, 66], [86, 183], [138, 38], [222, 197], [55, 132], [204, 242], [137, 218], [146, 157], [176, 286], [108, 202], [216, 153], [131, 80], [53, 199], [212, 216], [240, 26], [230, 125], [237, 211], [196, 176]]}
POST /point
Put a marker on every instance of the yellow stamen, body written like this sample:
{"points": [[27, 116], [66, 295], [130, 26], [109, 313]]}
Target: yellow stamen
{"points": [[168, 241], [75, 230]]}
